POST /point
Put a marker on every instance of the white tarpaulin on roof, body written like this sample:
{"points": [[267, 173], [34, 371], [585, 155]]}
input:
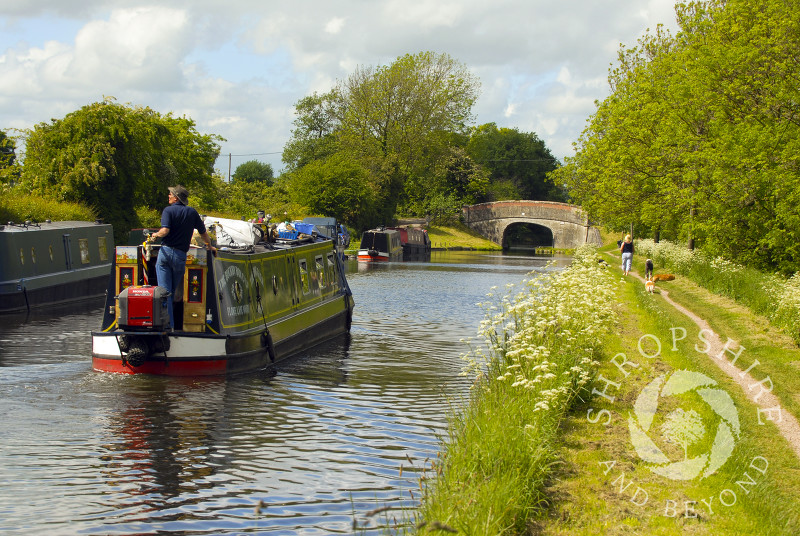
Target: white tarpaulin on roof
{"points": [[232, 233]]}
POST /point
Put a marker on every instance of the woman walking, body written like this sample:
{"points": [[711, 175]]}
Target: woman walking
{"points": [[627, 254]]}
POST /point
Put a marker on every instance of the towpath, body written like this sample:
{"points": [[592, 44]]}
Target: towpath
{"points": [[786, 423]]}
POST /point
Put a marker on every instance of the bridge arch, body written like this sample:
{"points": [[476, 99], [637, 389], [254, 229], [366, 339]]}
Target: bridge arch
{"points": [[527, 235], [568, 224]]}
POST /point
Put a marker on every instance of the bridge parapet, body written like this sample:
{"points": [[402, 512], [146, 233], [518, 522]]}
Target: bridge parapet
{"points": [[541, 210]]}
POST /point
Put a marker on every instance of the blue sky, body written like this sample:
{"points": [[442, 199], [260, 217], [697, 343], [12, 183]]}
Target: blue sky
{"points": [[238, 67]]}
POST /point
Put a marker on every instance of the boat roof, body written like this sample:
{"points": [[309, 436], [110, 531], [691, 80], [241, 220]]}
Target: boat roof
{"points": [[320, 220], [12, 227]]}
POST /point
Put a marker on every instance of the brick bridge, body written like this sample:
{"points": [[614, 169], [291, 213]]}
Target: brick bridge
{"points": [[567, 224]]}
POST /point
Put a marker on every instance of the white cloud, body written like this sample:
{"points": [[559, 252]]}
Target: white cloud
{"points": [[335, 25], [237, 68], [135, 48]]}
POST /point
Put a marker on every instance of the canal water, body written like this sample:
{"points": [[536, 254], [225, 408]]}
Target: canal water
{"points": [[309, 448]]}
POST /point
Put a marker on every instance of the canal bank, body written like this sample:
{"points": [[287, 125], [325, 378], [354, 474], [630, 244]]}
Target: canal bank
{"points": [[605, 484], [606, 478]]}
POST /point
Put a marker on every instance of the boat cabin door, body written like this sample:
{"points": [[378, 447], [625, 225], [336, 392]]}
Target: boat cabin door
{"points": [[195, 291]]}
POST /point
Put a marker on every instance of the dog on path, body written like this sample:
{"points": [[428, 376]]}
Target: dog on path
{"points": [[649, 286], [648, 269]]}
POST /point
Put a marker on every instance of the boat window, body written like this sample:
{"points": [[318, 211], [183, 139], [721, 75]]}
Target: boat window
{"points": [[52, 257], [304, 275], [22, 256], [101, 243], [331, 268], [33, 255], [83, 245], [320, 271]]}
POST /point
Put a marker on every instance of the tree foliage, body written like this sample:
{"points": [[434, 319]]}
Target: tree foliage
{"points": [[699, 139], [254, 171], [114, 158], [337, 187], [517, 162], [9, 168], [396, 122]]}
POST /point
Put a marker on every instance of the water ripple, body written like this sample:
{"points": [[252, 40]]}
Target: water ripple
{"points": [[333, 434]]}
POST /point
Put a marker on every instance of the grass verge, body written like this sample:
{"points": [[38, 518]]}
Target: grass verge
{"points": [[536, 451], [19, 207], [459, 237], [535, 354], [603, 485]]}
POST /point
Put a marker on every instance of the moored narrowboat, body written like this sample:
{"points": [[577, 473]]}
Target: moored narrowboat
{"points": [[249, 306], [415, 242], [380, 245], [51, 263]]}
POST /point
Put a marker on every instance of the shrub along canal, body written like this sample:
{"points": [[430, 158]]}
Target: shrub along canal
{"points": [[305, 448]]}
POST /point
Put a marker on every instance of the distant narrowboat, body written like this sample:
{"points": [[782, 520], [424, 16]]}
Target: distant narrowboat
{"points": [[415, 242], [380, 245], [50, 263], [259, 300]]}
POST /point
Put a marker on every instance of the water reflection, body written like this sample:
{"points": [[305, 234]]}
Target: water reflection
{"points": [[303, 448]]}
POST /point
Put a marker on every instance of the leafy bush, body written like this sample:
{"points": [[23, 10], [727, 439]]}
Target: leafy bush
{"points": [[19, 206]]}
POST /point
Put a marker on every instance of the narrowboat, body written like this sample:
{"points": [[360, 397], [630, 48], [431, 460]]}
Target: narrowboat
{"points": [[51, 263], [415, 242], [380, 245], [260, 299]]}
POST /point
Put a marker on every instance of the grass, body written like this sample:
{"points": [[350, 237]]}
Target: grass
{"points": [[588, 497], [459, 236], [771, 295], [526, 458], [534, 356]]}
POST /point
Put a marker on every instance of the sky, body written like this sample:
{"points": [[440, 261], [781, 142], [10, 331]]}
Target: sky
{"points": [[238, 67]]}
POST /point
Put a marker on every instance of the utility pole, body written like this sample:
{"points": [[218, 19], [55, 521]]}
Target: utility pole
{"points": [[229, 167]]}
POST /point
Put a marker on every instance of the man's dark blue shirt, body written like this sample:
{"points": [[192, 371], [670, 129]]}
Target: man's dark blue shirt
{"points": [[181, 220]]}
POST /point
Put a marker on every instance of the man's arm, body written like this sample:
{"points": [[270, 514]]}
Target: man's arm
{"points": [[161, 233]]}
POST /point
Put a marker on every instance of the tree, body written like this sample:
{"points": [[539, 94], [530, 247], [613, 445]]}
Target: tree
{"points": [[701, 133], [9, 168], [396, 121], [313, 137], [114, 158], [458, 182], [338, 187], [518, 163], [254, 172]]}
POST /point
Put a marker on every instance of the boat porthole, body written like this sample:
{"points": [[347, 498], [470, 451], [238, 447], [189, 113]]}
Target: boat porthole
{"points": [[274, 285]]}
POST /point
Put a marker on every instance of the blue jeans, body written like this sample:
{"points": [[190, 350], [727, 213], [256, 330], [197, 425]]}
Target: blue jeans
{"points": [[169, 271], [626, 261]]}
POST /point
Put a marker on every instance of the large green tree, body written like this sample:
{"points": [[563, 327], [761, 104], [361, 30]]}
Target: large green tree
{"points": [[116, 157], [254, 172], [700, 136], [313, 136], [9, 169], [338, 187], [518, 163], [397, 121]]}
